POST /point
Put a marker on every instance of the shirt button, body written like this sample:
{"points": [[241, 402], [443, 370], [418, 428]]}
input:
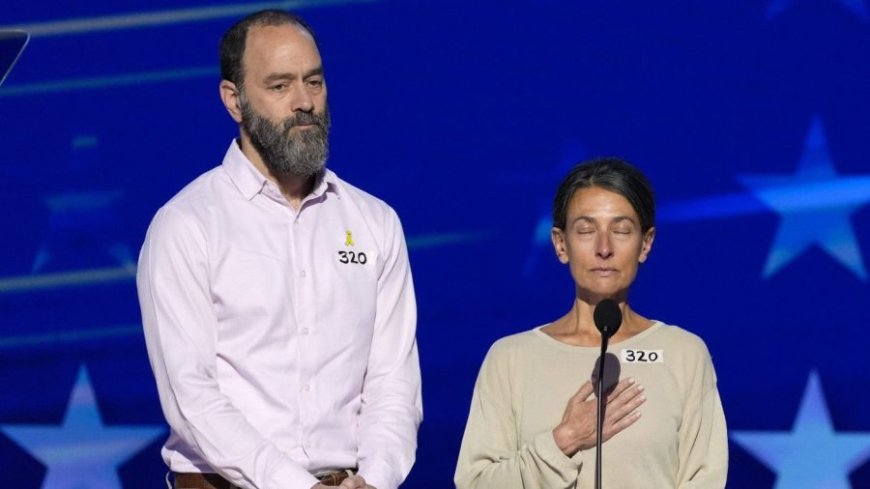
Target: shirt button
{"points": [[302, 274], [304, 331], [306, 387]]}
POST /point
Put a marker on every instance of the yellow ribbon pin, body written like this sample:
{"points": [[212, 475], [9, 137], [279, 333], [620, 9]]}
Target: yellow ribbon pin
{"points": [[348, 239]]}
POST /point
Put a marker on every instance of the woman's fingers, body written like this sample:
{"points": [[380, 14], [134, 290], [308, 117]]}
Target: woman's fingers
{"points": [[622, 410], [617, 426], [621, 388], [583, 392]]}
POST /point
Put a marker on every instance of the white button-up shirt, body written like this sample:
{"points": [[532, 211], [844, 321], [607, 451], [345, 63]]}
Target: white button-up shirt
{"points": [[282, 342]]}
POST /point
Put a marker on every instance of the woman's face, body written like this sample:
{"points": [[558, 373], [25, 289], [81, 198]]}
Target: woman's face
{"points": [[602, 243]]}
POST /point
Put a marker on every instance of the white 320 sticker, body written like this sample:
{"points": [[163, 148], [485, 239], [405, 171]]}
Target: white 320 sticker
{"points": [[643, 356], [355, 257]]}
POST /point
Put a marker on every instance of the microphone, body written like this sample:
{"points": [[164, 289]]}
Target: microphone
{"points": [[608, 318]]}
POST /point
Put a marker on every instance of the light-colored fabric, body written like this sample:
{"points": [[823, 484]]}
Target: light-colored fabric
{"points": [[282, 342], [525, 382]]}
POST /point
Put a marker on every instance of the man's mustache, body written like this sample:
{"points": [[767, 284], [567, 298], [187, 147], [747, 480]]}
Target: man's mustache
{"points": [[305, 119]]}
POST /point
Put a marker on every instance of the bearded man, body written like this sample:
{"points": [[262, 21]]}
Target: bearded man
{"points": [[277, 299]]}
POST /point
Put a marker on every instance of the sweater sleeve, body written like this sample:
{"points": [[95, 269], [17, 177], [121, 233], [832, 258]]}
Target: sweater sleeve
{"points": [[490, 456], [703, 438]]}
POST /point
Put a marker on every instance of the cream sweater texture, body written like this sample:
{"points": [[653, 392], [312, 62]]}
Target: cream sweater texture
{"points": [[680, 440]]}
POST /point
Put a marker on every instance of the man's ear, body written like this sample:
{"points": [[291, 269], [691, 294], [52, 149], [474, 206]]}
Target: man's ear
{"points": [[646, 245], [230, 97], [557, 236]]}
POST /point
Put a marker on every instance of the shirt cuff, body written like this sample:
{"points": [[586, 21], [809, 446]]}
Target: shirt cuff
{"points": [[292, 477], [379, 475]]}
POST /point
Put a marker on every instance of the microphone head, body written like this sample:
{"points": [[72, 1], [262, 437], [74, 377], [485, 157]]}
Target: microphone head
{"points": [[607, 317]]}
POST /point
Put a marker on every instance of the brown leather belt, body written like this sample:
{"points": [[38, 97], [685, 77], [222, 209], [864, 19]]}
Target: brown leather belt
{"points": [[335, 478], [215, 481], [201, 481]]}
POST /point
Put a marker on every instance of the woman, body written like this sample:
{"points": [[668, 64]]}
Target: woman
{"points": [[533, 416]]}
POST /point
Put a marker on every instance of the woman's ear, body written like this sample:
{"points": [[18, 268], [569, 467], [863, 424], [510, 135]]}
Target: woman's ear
{"points": [[557, 236], [646, 245]]}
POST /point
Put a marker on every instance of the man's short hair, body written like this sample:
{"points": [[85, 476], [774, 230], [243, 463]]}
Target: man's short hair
{"points": [[232, 48]]}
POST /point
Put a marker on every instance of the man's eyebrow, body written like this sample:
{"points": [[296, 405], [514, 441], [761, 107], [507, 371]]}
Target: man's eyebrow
{"points": [[314, 72], [291, 76]]}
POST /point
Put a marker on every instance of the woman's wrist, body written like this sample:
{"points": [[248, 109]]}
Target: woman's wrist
{"points": [[565, 437]]}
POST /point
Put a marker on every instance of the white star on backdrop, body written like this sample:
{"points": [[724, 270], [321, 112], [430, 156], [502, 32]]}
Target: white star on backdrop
{"points": [[812, 455], [81, 452], [815, 206]]}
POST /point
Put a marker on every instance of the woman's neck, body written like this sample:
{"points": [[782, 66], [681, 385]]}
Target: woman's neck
{"points": [[577, 327]]}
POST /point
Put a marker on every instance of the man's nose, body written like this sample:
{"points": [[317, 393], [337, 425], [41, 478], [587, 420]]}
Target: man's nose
{"points": [[302, 100]]}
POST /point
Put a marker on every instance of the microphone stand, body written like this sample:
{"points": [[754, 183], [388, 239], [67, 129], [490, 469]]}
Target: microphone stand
{"points": [[608, 318], [600, 424]]}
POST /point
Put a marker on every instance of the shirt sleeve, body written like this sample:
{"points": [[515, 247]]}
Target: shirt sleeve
{"points": [[392, 406], [181, 336], [489, 456], [703, 437]]}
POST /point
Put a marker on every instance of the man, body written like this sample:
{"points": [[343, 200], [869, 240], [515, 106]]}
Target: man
{"points": [[277, 299]]}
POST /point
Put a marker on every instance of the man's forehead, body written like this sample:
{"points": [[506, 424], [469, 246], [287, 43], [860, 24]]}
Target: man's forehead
{"points": [[270, 44], [269, 33]]}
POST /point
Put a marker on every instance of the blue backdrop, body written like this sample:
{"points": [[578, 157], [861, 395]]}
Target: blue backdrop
{"points": [[751, 117]]}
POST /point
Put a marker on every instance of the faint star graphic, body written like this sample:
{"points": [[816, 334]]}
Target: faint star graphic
{"points": [[815, 206], [82, 452], [572, 153], [84, 224], [812, 454], [857, 7]]}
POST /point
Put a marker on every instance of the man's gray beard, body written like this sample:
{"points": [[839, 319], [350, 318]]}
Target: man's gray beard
{"points": [[299, 154]]}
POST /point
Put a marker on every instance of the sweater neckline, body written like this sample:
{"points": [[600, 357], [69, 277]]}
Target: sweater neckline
{"points": [[568, 347]]}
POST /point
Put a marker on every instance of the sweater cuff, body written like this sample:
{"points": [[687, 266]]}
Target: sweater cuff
{"points": [[546, 446]]}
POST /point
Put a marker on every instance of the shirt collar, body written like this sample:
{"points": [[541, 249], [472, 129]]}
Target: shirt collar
{"points": [[250, 182]]}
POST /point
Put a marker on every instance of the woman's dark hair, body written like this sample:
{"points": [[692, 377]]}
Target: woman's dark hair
{"points": [[233, 43], [613, 174]]}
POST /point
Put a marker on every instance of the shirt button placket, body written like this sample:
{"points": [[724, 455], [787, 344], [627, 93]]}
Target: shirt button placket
{"points": [[304, 323]]}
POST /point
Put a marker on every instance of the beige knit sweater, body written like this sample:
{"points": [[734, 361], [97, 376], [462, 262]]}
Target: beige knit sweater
{"points": [[525, 382]]}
